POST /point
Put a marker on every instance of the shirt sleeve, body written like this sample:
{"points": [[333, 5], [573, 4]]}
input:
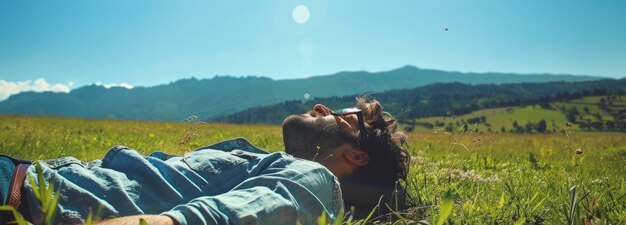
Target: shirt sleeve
{"points": [[261, 200]]}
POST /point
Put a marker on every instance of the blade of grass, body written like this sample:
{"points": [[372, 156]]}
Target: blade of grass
{"points": [[19, 219], [446, 207], [89, 220], [397, 215], [533, 198], [321, 220], [364, 221], [339, 218], [538, 204], [52, 206], [41, 180], [31, 180], [573, 191]]}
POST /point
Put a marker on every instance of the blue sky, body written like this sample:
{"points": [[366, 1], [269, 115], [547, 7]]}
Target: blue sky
{"points": [[144, 43]]}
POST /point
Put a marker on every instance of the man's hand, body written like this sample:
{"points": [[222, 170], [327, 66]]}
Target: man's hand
{"points": [[134, 220]]}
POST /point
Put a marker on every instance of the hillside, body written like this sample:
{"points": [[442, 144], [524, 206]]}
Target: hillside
{"points": [[587, 113], [451, 99], [220, 96]]}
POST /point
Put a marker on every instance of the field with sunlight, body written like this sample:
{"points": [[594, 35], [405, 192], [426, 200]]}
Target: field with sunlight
{"points": [[492, 178]]}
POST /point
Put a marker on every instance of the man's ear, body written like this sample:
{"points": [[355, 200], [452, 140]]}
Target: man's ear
{"points": [[357, 157]]}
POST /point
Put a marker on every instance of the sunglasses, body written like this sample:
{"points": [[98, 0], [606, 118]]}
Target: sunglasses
{"points": [[359, 115]]}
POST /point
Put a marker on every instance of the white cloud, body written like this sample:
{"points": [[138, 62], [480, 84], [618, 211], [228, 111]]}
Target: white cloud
{"points": [[124, 85], [110, 85], [8, 88]]}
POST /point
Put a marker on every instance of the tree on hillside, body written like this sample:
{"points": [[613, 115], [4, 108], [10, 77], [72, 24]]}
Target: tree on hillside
{"points": [[546, 105], [598, 116], [571, 114], [597, 125], [602, 103], [474, 120], [562, 95], [528, 128], [449, 128], [610, 125], [517, 128], [542, 126]]}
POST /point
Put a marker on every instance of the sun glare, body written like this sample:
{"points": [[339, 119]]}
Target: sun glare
{"points": [[300, 14]]}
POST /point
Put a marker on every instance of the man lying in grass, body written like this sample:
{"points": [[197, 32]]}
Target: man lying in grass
{"points": [[231, 182]]}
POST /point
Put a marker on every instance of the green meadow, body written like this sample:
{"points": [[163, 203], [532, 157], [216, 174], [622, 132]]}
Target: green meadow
{"points": [[498, 118], [490, 178], [592, 113]]}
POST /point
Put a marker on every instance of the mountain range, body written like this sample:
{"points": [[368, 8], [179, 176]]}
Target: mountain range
{"points": [[209, 99]]}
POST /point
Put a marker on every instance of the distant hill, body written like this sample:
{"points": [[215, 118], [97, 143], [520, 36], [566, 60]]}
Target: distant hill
{"points": [[449, 99], [597, 113], [219, 96]]}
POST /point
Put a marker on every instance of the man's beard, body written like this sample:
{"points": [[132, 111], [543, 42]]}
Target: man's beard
{"points": [[311, 139]]}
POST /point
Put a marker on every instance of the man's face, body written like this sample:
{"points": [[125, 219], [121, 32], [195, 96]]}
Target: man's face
{"points": [[314, 134]]}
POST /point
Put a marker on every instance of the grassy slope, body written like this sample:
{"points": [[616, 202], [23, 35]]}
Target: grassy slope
{"points": [[504, 117], [556, 120], [496, 178], [592, 104]]}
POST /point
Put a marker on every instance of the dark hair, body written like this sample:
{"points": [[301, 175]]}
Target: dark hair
{"points": [[388, 161]]}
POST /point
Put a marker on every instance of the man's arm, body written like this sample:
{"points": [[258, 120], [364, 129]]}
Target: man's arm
{"points": [[134, 220]]}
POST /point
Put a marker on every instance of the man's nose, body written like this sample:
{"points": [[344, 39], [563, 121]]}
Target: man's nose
{"points": [[321, 110]]}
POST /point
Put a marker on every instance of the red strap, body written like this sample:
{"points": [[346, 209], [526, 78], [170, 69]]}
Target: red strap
{"points": [[15, 190]]}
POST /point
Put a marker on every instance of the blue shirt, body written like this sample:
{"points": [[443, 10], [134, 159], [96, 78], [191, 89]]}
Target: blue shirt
{"points": [[231, 182]]}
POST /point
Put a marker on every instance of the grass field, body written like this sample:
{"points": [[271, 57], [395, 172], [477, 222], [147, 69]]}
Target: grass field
{"points": [[493, 178]]}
